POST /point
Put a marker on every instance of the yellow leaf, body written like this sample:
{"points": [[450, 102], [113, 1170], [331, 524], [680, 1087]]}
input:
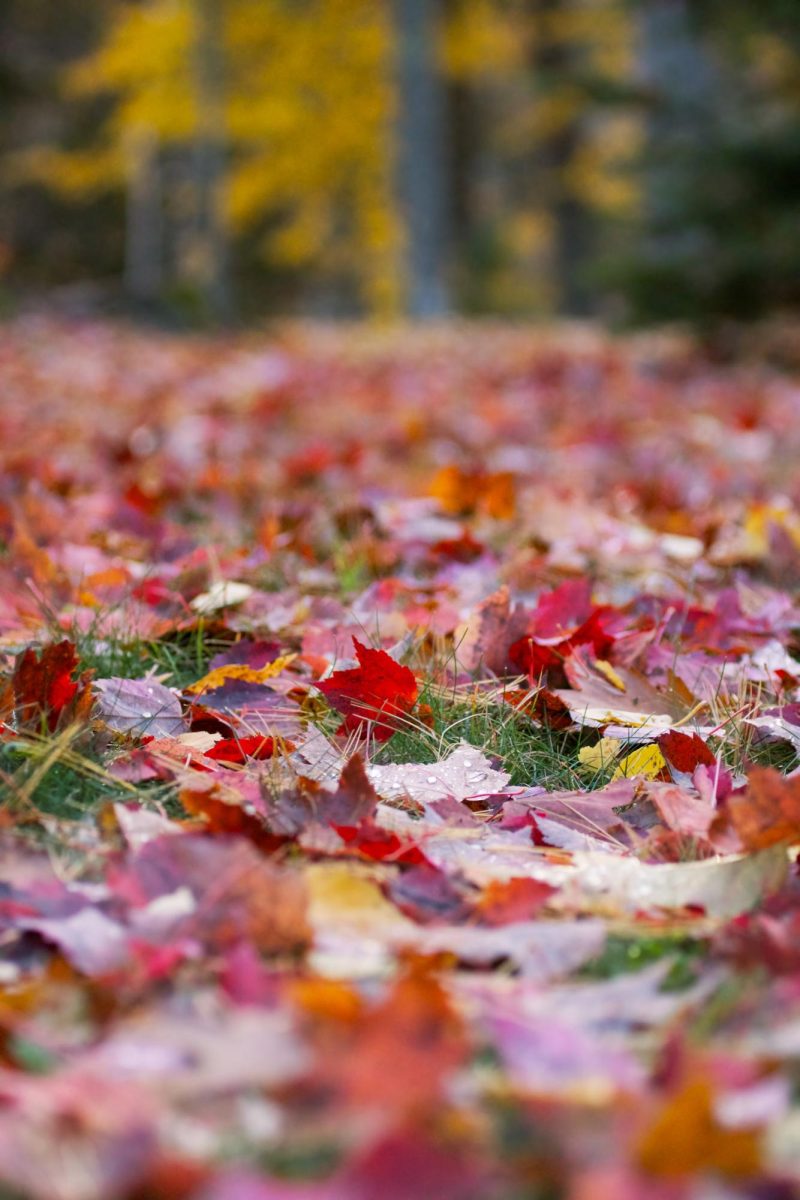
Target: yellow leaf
{"points": [[598, 757], [647, 761], [348, 892], [221, 675], [608, 672], [760, 518]]}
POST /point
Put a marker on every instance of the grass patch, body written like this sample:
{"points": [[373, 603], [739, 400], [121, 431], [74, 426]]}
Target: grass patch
{"points": [[780, 755], [298, 1161], [52, 778], [623, 955], [534, 755], [178, 659]]}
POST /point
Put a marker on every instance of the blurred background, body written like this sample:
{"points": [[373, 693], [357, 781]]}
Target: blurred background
{"points": [[214, 161]]}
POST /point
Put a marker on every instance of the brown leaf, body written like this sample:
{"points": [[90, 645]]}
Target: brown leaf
{"points": [[490, 631], [221, 815], [354, 801]]}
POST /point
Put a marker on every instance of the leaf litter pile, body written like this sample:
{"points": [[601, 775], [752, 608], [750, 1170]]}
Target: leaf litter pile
{"points": [[398, 758]]}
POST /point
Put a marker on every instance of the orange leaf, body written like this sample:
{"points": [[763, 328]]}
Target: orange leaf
{"points": [[769, 811], [507, 900], [686, 1137], [400, 1055], [464, 491]]}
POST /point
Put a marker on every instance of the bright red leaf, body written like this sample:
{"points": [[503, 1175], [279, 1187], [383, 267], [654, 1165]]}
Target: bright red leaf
{"points": [[685, 751], [239, 750], [379, 692]]}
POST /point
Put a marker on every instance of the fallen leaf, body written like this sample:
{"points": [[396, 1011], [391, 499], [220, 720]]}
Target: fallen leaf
{"points": [[355, 799], [599, 757], [546, 1056], [220, 675], [684, 751], [608, 672], [45, 687], [428, 896], [647, 762], [465, 773], [681, 811], [377, 694], [223, 594], [459, 491], [239, 750], [184, 1056], [686, 1137], [485, 639], [91, 941], [140, 706], [237, 892], [592, 812], [768, 812], [404, 1050], [503, 902], [224, 815]]}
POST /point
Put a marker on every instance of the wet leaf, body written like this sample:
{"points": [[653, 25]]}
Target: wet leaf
{"points": [[141, 706]]}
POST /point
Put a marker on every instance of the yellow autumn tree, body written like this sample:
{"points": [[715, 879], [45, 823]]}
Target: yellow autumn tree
{"points": [[308, 112], [310, 105]]}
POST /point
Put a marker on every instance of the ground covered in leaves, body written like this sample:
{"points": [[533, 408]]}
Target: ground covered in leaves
{"points": [[398, 768]]}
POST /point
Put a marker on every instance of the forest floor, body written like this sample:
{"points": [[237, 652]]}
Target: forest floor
{"points": [[397, 759]]}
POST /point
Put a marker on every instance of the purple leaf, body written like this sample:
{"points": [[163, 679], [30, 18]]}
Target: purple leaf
{"points": [[139, 706]]}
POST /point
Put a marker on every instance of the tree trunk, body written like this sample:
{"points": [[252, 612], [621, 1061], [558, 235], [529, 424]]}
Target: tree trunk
{"points": [[209, 165], [678, 79], [554, 64], [422, 160], [464, 139], [143, 271]]}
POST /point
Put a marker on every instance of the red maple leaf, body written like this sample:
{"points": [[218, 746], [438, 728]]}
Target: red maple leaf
{"points": [[378, 692], [563, 620], [44, 686], [685, 751], [239, 750], [372, 841]]}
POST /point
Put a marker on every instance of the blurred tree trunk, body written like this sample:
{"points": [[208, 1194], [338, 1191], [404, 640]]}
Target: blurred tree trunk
{"points": [[464, 136], [212, 266], [422, 159], [678, 79], [143, 271], [555, 65]]}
